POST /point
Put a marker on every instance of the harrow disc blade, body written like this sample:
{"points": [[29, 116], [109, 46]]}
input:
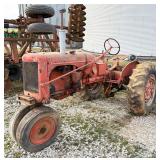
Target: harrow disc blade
{"points": [[80, 5], [75, 39], [74, 22], [79, 18], [78, 30], [77, 12]]}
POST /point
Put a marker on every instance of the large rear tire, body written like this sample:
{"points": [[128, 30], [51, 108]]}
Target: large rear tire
{"points": [[142, 89]]}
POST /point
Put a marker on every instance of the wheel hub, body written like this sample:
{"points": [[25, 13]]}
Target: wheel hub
{"points": [[94, 87], [149, 89], [42, 130]]}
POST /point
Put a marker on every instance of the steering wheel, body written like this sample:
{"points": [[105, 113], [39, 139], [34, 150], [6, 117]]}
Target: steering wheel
{"points": [[111, 44]]}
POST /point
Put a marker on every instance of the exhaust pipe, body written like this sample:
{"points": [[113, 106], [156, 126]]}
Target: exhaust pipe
{"points": [[62, 42], [62, 34]]}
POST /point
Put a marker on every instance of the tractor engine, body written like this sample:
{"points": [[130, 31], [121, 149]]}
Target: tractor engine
{"points": [[40, 69]]}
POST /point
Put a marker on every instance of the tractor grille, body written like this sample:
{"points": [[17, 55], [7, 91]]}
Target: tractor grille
{"points": [[30, 76]]}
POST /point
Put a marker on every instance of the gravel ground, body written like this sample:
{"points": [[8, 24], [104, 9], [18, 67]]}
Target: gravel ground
{"points": [[98, 128]]}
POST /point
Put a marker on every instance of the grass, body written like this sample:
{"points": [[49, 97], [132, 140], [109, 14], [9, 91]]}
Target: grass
{"points": [[7, 142], [17, 155], [96, 131]]}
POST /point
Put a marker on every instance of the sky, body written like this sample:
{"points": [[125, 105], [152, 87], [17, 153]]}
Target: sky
{"points": [[11, 11]]}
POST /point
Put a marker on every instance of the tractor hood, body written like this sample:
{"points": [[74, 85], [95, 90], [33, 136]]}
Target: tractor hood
{"points": [[57, 58]]}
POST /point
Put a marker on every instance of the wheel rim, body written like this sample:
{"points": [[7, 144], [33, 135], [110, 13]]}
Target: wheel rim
{"points": [[42, 130], [94, 87], [150, 89]]}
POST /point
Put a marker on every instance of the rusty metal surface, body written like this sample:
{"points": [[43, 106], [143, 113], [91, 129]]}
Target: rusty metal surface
{"points": [[150, 89], [50, 43], [128, 69], [26, 100], [14, 52], [31, 39], [23, 49], [76, 23], [62, 75], [25, 39], [23, 21]]}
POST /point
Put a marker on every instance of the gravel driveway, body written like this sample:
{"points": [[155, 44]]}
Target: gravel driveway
{"points": [[98, 128]]}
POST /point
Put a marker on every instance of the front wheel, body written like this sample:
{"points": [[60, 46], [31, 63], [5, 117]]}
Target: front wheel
{"points": [[38, 129], [142, 89], [19, 114]]}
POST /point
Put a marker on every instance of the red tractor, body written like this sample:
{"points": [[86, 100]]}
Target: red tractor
{"points": [[55, 75]]}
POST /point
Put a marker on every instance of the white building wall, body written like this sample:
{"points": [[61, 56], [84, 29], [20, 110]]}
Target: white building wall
{"points": [[134, 26]]}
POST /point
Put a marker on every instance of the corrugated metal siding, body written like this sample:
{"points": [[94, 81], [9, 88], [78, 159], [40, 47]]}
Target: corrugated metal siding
{"points": [[134, 26]]}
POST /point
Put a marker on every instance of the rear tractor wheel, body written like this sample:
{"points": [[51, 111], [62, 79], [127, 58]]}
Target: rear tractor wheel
{"points": [[142, 89]]}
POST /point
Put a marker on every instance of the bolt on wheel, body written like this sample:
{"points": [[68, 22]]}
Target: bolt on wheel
{"points": [[42, 130]]}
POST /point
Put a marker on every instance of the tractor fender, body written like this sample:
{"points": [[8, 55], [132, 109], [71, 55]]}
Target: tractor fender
{"points": [[128, 70]]}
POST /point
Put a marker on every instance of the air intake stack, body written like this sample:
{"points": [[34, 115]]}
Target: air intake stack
{"points": [[62, 34]]}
